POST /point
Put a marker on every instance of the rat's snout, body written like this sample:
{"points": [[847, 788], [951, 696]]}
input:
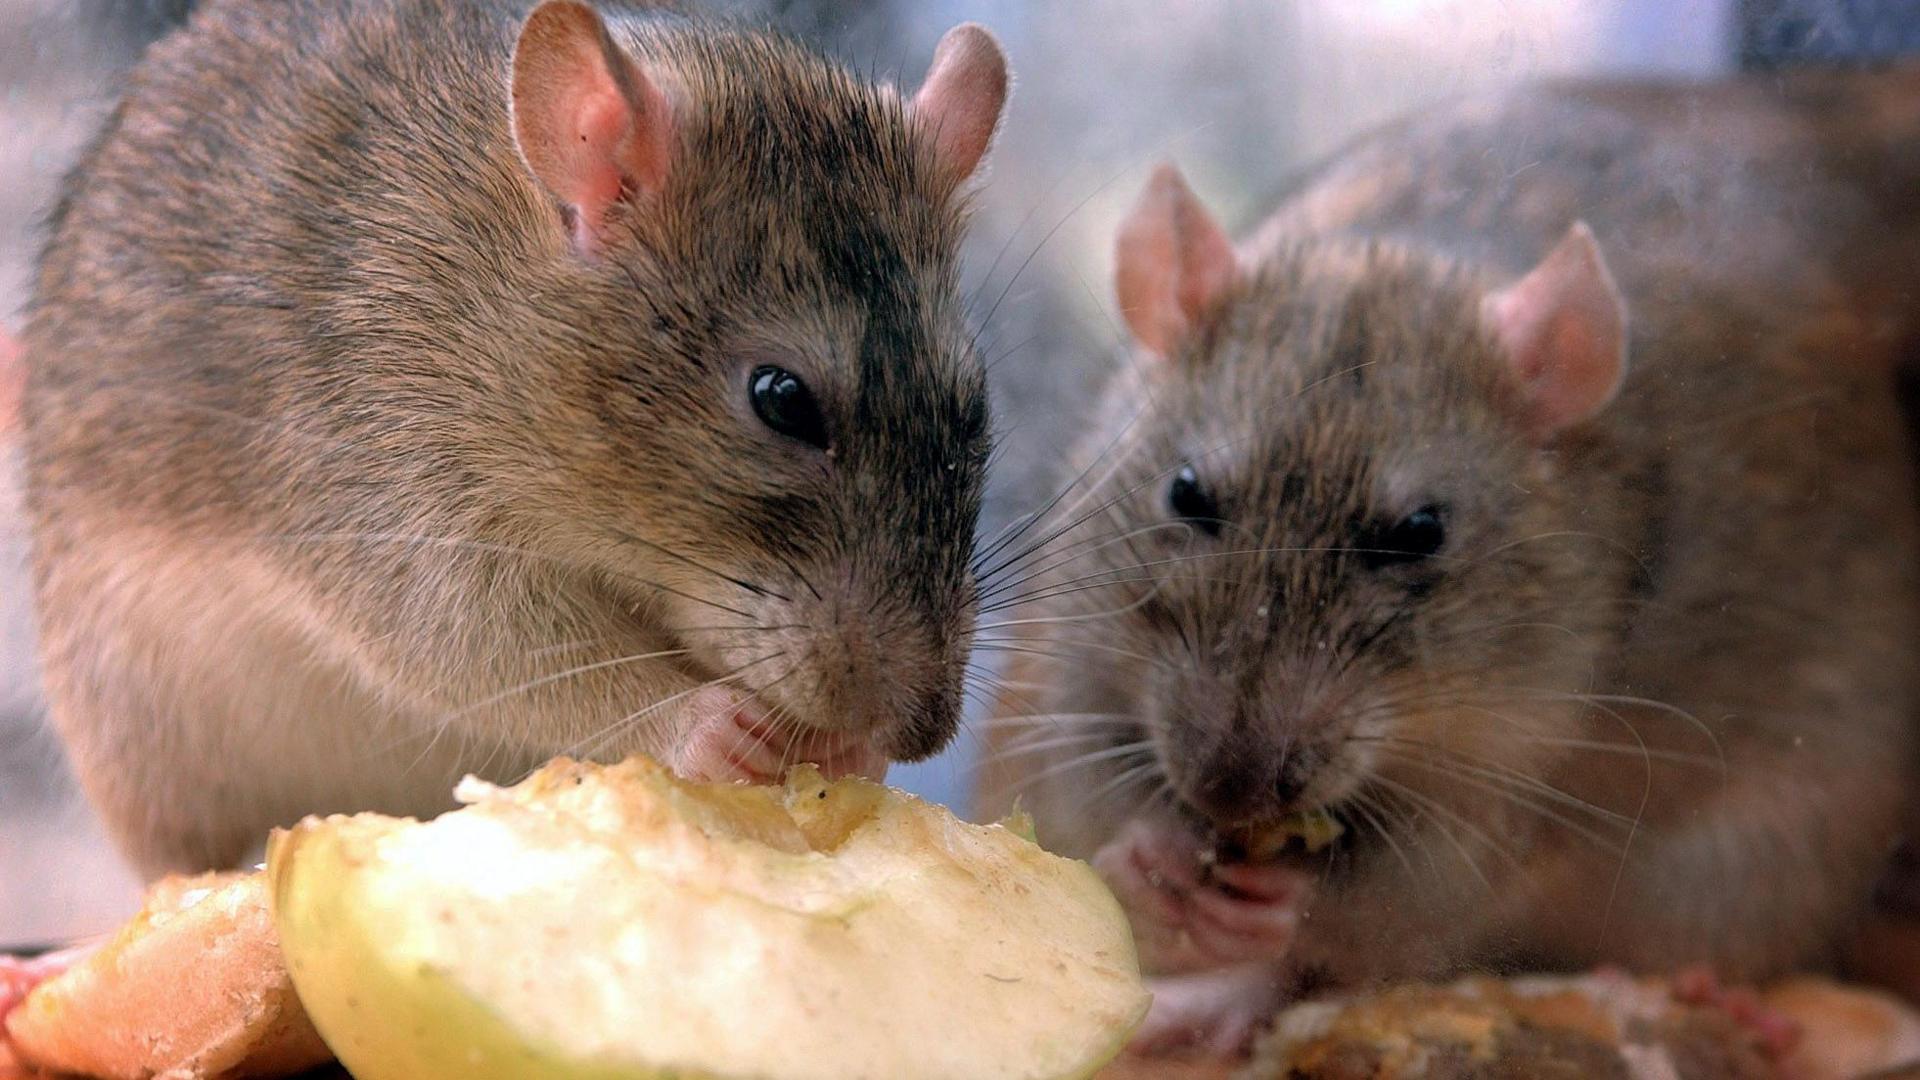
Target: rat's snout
{"points": [[1240, 750], [894, 674], [1247, 777], [1230, 784]]}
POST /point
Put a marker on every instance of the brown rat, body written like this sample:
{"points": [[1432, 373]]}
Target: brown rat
{"points": [[1530, 491], [419, 387]]}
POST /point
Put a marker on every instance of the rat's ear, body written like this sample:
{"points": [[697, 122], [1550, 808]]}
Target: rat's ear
{"points": [[959, 105], [1172, 263], [1564, 330], [590, 125]]}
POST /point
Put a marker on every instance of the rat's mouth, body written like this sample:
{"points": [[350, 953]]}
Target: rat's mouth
{"points": [[1318, 839], [730, 737]]}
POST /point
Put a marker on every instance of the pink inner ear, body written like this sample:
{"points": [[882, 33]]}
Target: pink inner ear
{"points": [[589, 123], [1146, 283], [1563, 328], [593, 180], [1172, 263], [1207, 263]]}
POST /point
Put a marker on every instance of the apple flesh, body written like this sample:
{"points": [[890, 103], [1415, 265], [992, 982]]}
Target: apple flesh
{"points": [[617, 922]]}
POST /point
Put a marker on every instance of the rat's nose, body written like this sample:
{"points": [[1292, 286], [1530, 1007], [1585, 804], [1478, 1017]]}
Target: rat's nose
{"points": [[1231, 786], [1289, 785], [926, 727], [1239, 781]]}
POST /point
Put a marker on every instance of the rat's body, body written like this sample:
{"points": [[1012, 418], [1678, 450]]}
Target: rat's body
{"points": [[395, 409], [1639, 686]]}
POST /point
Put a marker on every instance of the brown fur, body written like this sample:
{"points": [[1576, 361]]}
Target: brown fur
{"points": [[337, 453], [1724, 557]]}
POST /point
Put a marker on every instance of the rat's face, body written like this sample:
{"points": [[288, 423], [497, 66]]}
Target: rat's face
{"points": [[835, 484], [787, 422], [1350, 576]]}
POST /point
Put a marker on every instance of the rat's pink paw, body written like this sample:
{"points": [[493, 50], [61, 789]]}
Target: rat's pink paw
{"points": [[731, 738], [18, 976], [1189, 917], [1218, 1013], [1776, 1033]]}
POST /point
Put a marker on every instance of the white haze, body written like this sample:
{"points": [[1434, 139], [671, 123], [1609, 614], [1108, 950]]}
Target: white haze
{"points": [[1240, 94]]}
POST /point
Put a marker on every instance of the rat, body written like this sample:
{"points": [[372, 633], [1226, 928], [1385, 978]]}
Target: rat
{"points": [[1531, 493], [428, 387]]}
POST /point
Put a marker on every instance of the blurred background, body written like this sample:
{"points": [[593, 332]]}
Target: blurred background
{"points": [[1241, 94]]}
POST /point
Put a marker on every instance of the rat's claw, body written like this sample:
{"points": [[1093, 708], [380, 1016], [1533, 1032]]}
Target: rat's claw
{"points": [[732, 738], [1193, 918], [1230, 927]]}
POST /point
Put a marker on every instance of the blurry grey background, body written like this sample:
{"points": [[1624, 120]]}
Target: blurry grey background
{"points": [[1241, 94]]}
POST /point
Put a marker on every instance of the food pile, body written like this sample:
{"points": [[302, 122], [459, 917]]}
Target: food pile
{"points": [[617, 922], [193, 986], [1598, 1026]]}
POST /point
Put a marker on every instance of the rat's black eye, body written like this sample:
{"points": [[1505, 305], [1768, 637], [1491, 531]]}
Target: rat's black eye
{"points": [[1412, 538], [785, 404], [1192, 502]]}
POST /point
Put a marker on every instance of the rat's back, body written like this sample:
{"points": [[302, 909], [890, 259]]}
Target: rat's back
{"points": [[282, 186], [278, 179]]}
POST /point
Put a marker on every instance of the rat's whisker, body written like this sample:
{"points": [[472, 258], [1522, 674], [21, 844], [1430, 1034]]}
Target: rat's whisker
{"points": [[1442, 815], [559, 676], [738, 628], [1366, 807], [1117, 785], [770, 725], [1079, 550], [1036, 742], [626, 537], [1068, 588], [1452, 772], [1597, 746], [1082, 761], [1604, 703], [1029, 646], [1056, 620], [987, 569], [1106, 507], [487, 547], [1486, 768], [592, 744], [1564, 534]]}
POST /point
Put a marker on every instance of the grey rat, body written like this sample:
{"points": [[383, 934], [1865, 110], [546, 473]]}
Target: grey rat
{"points": [[418, 387], [1531, 491]]}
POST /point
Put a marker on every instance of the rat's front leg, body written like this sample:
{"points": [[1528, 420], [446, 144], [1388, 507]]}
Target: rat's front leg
{"points": [[728, 737], [1218, 1013], [1218, 935]]}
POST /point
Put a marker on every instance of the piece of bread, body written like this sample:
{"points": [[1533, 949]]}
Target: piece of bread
{"points": [[1601, 1025], [192, 988], [1847, 1031]]}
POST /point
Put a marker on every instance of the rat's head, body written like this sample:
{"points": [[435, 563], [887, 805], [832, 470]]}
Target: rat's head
{"points": [[775, 425], [1345, 504]]}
